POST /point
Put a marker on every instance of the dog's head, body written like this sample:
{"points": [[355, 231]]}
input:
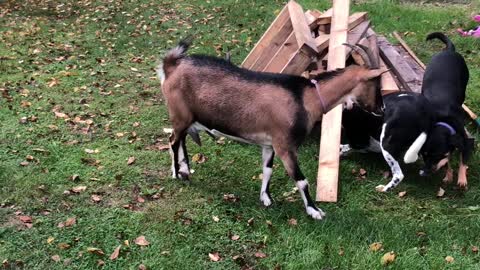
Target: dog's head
{"points": [[440, 144]]}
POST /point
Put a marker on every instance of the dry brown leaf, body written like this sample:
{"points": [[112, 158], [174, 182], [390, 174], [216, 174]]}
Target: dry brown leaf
{"points": [[100, 263], [130, 160], [60, 115], [199, 158], [440, 192], [63, 246], [55, 258], [70, 222], [341, 252], [96, 198], [25, 219], [50, 240], [24, 163], [376, 246], [75, 177], [292, 222], [388, 258], [141, 241], [235, 237], [96, 251], [142, 267], [79, 189], [449, 259], [214, 257], [363, 172], [115, 253], [260, 255], [402, 194], [140, 199], [474, 249]]}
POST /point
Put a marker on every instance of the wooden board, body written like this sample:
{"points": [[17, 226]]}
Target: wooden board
{"points": [[407, 48], [283, 55], [300, 26], [328, 166], [409, 78]]}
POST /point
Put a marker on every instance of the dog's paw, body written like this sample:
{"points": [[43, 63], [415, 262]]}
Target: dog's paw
{"points": [[265, 199], [317, 214], [381, 188]]}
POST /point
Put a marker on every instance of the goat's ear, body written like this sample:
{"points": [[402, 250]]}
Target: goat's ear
{"points": [[374, 73]]}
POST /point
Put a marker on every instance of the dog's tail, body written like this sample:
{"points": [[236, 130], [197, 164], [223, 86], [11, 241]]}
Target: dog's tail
{"points": [[172, 57], [443, 38]]}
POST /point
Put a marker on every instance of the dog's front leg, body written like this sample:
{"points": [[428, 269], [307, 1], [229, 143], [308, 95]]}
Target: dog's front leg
{"points": [[397, 174], [462, 174]]}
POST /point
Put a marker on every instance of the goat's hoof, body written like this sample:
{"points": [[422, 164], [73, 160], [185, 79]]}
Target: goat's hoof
{"points": [[183, 176], [381, 188], [265, 199], [315, 213]]}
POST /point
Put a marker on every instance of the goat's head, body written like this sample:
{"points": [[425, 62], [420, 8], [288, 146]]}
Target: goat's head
{"points": [[367, 92]]}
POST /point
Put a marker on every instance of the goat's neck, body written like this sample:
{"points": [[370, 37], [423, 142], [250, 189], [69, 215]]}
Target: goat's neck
{"points": [[333, 92]]}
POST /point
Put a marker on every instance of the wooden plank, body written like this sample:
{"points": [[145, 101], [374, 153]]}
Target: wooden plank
{"points": [[328, 165], [299, 62], [300, 25], [283, 55], [407, 48], [281, 26], [404, 72], [387, 82], [326, 17], [353, 21], [355, 35]]}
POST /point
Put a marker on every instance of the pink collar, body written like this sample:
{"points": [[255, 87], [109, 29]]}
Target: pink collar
{"points": [[322, 102]]}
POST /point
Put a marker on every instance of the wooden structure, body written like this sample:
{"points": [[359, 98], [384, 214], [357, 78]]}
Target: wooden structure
{"points": [[309, 43]]}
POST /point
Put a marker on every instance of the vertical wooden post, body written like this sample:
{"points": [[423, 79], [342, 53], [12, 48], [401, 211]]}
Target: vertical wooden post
{"points": [[328, 165]]}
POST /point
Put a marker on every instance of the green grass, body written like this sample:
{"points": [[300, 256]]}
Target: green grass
{"points": [[103, 54]]}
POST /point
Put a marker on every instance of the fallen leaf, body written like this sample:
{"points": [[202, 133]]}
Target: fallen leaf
{"points": [[473, 208], [215, 218], [24, 163], [140, 199], [100, 263], [96, 198], [50, 239], [130, 160], [449, 259], [70, 222], [75, 177], [474, 249], [29, 157], [63, 246], [115, 253], [79, 189], [199, 158], [25, 219], [214, 257], [388, 258], [363, 172], [341, 252], [376, 246], [126, 243], [142, 267], [235, 237], [292, 222], [91, 151], [440, 192], [141, 241], [402, 194], [260, 255], [55, 258], [96, 251], [250, 221]]}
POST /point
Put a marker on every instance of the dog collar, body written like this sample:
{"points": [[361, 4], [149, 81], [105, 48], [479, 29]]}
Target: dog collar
{"points": [[322, 102], [450, 128]]}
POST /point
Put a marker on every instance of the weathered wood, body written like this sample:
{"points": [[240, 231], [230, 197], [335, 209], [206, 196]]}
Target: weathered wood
{"points": [[300, 25], [400, 67], [275, 35], [407, 48], [355, 35], [387, 81], [283, 55], [326, 17], [328, 166], [299, 62]]}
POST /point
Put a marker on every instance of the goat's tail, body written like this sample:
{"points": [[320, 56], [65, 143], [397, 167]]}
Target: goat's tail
{"points": [[170, 60], [443, 38]]}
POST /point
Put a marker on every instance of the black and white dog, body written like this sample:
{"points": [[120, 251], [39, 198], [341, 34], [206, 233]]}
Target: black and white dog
{"points": [[429, 124]]}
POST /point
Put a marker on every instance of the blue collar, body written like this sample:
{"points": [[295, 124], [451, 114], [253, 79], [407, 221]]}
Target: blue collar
{"points": [[450, 128]]}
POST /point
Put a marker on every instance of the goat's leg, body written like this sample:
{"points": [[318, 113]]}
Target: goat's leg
{"points": [[178, 152], [267, 162], [289, 159], [397, 174]]}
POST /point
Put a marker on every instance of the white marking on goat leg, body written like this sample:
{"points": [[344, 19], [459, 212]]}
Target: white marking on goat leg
{"points": [[412, 153], [267, 156], [397, 175], [183, 170], [161, 73], [174, 172], [302, 185]]}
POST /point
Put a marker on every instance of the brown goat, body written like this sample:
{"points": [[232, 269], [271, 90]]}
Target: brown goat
{"points": [[274, 111]]}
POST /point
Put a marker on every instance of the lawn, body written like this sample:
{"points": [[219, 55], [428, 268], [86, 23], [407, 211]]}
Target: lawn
{"points": [[84, 169]]}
